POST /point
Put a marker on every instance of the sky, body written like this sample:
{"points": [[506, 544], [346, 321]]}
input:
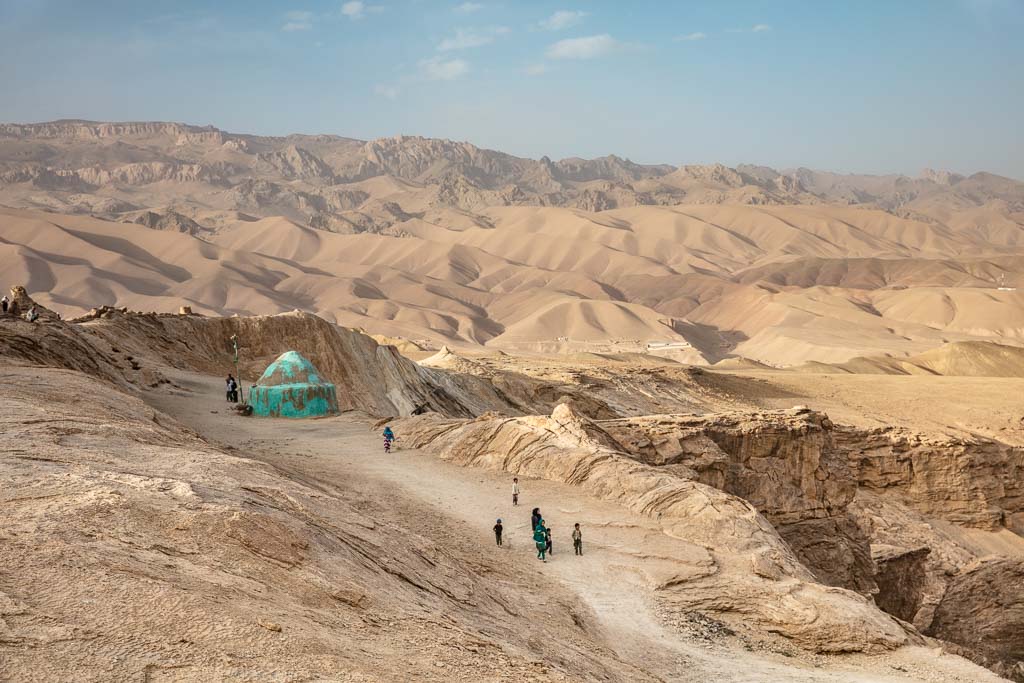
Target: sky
{"points": [[887, 86]]}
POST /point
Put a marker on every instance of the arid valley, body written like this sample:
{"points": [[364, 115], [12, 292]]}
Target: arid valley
{"points": [[783, 406]]}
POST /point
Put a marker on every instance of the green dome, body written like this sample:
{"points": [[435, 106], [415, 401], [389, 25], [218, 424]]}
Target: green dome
{"points": [[291, 387]]}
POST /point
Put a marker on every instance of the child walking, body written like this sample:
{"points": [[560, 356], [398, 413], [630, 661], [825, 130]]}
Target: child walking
{"points": [[497, 532]]}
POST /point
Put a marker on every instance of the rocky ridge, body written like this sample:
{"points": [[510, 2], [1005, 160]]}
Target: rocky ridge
{"points": [[784, 464], [101, 162], [973, 482]]}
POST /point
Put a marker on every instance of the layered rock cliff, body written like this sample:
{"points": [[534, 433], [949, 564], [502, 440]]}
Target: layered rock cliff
{"points": [[784, 464], [754, 577], [974, 482]]}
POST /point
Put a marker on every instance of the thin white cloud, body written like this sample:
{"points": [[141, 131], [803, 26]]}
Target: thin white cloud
{"points": [[562, 19], [357, 9], [468, 38], [438, 69], [588, 47], [298, 21], [469, 7], [697, 35], [536, 69], [388, 91], [756, 28]]}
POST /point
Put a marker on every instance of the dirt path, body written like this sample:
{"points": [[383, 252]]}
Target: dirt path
{"points": [[625, 555]]}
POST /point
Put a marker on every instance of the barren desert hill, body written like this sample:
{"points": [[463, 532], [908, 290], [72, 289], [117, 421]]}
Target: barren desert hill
{"points": [[780, 285], [961, 359]]}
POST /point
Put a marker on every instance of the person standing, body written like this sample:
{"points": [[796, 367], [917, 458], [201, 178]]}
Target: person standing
{"points": [[5, 302], [534, 518], [389, 437], [497, 532], [232, 389], [515, 490], [577, 539], [547, 539], [541, 540]]}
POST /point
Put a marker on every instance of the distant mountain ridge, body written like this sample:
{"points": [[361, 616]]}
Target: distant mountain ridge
{"points": [[347, 185]]}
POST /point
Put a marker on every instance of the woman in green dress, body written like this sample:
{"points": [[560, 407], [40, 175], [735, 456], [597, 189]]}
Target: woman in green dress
{"points": [[540, 537]]}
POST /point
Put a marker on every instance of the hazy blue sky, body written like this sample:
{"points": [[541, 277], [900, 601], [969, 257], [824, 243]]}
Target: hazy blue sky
{"points": [[862, 86]]}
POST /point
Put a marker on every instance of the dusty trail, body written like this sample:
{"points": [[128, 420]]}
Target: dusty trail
{"points": [[626, 555]]}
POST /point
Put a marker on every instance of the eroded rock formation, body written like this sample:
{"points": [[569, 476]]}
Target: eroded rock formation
{"points": [[754, 577], [783, 463], [974, 482], [983, 609], [901, 577]]}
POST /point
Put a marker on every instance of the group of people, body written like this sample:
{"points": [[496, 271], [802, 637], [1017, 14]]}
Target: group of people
{"points": [[10, 307], [231, 384], [541, 531]]}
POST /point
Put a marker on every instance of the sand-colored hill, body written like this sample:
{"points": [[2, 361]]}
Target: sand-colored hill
{"points": [[702, 283], [957, 359]]}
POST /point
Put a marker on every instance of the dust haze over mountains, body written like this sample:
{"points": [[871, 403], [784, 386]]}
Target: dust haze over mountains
{"points": [[444, 242]]}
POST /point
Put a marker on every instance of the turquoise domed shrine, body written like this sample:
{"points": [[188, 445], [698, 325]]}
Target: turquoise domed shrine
{"points": [[292, 387]]}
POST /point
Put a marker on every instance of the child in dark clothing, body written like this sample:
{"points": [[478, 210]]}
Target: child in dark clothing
{"points": [[547, 533], [497, 532], [577, 539]]}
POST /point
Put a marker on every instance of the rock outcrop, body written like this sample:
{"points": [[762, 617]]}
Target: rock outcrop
{"points": [[911, 581], [170, 220], [295, 162], [974, 482], [983, 610], [526, 394], [53, 342], [783, 463], [754, 577], [901, 579], [942, 579]]}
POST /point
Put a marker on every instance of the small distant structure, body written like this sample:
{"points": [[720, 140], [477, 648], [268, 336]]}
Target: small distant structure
{"points": [[291, 387], [665, 345]]}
